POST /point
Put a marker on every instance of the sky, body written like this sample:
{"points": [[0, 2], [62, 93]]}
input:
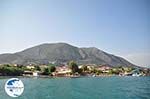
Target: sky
{"points": [[119, 27]]}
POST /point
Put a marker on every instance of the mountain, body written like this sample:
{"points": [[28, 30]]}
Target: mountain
{"points": [[61, 53]]}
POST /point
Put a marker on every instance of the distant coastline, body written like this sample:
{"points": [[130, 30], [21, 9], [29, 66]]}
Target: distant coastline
{"points": [[72, 70]]}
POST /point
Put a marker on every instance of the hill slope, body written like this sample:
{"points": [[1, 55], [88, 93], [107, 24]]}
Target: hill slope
{"points": [[62, 53]]}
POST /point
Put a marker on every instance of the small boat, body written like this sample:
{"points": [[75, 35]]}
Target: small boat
{"points": [[94, 75], [75, 76], [137, 75]]}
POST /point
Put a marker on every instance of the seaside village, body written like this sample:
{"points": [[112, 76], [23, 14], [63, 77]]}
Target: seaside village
{"points": [[70, 70]]}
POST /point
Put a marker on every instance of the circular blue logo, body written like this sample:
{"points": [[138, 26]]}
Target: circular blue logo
{"points": [[14, 87]]}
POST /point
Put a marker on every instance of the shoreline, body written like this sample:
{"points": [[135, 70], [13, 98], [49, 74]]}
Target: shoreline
{"points": [[3, 77]]}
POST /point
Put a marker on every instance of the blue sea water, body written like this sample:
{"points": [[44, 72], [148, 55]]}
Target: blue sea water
{"points": [[83, 88]]}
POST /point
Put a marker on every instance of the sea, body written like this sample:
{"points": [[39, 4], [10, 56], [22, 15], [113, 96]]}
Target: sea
{"points": [[114, 87]]}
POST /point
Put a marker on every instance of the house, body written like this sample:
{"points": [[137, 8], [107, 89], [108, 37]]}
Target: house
{"points": [[27, 73], [91, 66], [35, 74], [80, 66], [30, 67], [62, 71], [104, 67], [30, 73], [15, 65]]}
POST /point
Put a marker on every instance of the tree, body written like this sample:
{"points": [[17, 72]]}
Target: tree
{"points": [[51, 64], [93, 70], [37, 68], [84, 68], [115, 71], [46, 71], [10, 71], [98, 72], [52, 68], [73, 66]]}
